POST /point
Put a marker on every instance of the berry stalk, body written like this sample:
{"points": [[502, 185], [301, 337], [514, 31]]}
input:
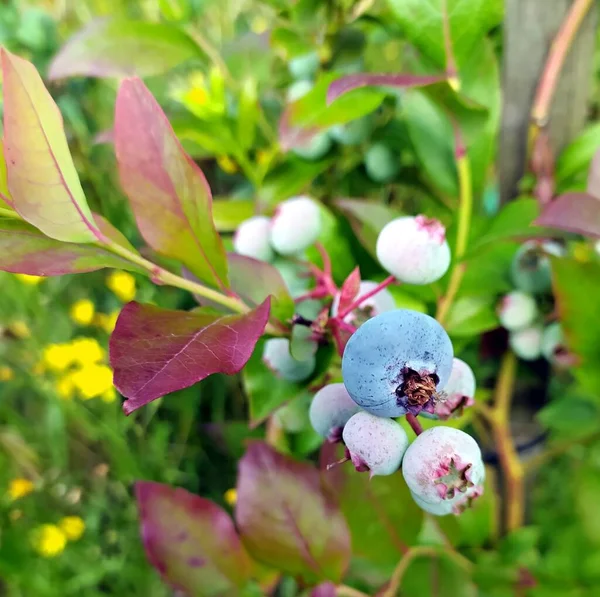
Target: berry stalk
{"points": [[358, 302], [414, 423]]}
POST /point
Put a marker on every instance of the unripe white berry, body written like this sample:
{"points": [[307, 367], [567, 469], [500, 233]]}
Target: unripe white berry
{"points": [[517, 310], [252, 238], [378, 303], [295, 226], [414, 249], [277, 356], [527, 343], [553, 340]]}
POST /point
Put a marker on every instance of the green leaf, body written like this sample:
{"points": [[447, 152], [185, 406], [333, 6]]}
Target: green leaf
{"points": [[487, 272], [471, 316], [118, 47], [367, 218], [42, 180], [575, 159], [288, 519], [577, 292], [570, 416], [230, 213], [469, 20]]}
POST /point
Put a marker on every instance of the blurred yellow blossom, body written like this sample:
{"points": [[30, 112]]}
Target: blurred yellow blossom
{"points": [[19, 329], [29, 280], [109, 396], [49, 540], [58, 357], [65, 387], [230, 497], [106, 322], [87, 351], [72, 526], [93, 380], [582, 252], [19, 488], [6, 373], [82, 312], [227, 164], [122, 284]]}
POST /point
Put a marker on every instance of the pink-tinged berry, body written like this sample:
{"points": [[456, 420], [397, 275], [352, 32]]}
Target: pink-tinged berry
{"points": [[527, 343], [378, 303], [330, 410], [554, 348], [374, 444], [295, 226], [414, 249], [458, 393], [441, 464], [252, 238], [517, 310], [457, 505]]}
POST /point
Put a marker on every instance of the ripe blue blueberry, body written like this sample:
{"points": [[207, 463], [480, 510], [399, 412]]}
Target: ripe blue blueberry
{"points": [[295, 226], [457, 505], [375, 444], [527, 342], [252, 238], [441, 464], [553, 342], [414, 249], [381, 163], [517, 310], [276, 355], [330, 410], [395, 362], [530, 268], [381, 302]]}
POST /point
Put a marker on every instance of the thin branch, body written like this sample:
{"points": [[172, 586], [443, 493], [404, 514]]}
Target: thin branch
{"points": [[363, 297], [414, 423]]}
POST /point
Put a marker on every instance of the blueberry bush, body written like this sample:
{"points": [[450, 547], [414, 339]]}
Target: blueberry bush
{"points": [[343, 366]]}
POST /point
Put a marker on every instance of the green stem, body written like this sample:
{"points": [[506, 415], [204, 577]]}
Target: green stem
{"points": [[465, 211], [162, 276], [8, 213]]}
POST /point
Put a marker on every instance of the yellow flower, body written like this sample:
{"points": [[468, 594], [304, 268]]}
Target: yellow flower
{"points": [[58, 357], [93, 380], [19, 329], [19, 488], [6, 373], [107, 322], [86, 351], [196, 96], [65, 387], [109, 396], [72, 526], [227, 164], [230, 497], [122, 284], [29, 280], [82, 312], [49, 541]]}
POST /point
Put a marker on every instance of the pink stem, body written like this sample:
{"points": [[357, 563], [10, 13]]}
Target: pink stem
{"points": [[347, 327], [412, 421], [358, 302], [327, 278]]}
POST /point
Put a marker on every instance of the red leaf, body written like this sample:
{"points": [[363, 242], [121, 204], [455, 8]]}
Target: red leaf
{"points": [[25, 250], [350, 82], [287, 518], [170, 197], [191, 541], [349, 290], [155, 351], [573, 212]]}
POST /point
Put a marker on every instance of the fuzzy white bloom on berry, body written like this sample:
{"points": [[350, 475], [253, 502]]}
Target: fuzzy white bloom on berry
{"points": [[527, 343], [295, 226], [517, 310], [378, 303], [414, 249], [252, 238], [459, 392]]}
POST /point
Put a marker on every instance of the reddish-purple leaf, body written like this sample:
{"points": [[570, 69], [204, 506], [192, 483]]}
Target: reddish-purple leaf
{"points": [[572, 212], [170, 197], [349, 289], [350, 82], [191, 541], [326, 589], [25, 250], [254, 280], [287, 518], [155, 351], [117, 47]]}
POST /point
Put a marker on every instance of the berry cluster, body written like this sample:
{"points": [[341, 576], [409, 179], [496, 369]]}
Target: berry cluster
{"points": [[401, 362], [519, 310]]}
